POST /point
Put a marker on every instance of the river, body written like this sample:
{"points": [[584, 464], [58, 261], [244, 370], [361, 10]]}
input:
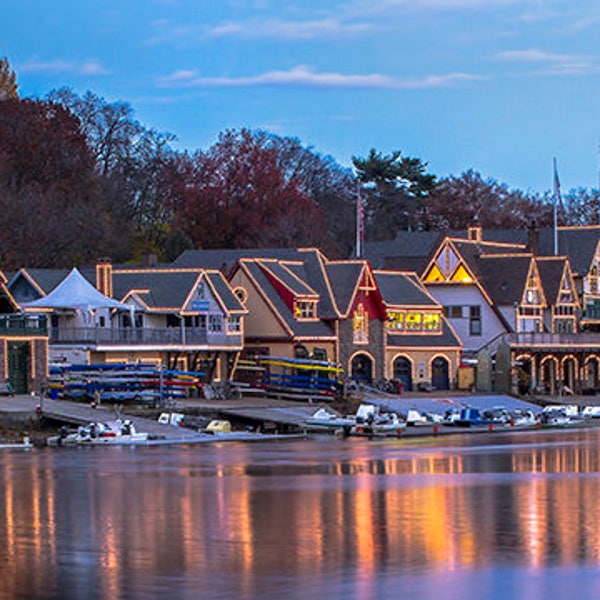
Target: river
{"points": [[486, 516]]}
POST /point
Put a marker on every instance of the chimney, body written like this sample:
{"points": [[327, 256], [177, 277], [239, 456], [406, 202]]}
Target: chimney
{"points": [[104, 276], [475, 233], [533, 238]]}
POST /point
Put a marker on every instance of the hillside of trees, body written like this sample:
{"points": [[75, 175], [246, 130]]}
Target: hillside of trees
{"points": [[81, 178]]}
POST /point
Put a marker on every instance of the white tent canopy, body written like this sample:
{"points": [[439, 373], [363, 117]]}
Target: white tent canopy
{"points": [[77, 293]]}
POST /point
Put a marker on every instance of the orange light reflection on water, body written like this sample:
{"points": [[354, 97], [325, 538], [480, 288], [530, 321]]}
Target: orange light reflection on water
{"points": [[431, 509]]}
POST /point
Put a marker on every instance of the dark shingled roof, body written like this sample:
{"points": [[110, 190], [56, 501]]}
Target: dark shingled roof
{"points": [[225, 258], [504, 277], [166, 289], [577, 243], [406, 244], [344, 277], [299, 328], [402, 289], [286, 276], [551, 270], [416, 264], [230, 301], [446, 339]]}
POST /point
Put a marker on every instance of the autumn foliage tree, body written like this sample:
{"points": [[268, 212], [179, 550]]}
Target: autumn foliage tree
{"points": [[236, 196], [330, 185], [9, 89], [51, 210], [458, 202], [131, 161]]}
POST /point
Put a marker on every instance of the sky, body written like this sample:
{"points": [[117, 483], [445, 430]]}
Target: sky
{"points": [[498, 86]]}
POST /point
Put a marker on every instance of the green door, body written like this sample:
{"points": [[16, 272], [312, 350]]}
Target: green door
{"points": [[18, 366]]}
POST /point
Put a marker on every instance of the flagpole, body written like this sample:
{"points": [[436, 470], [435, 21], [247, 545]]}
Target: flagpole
{"points": [[555, 209], [359, 222]]}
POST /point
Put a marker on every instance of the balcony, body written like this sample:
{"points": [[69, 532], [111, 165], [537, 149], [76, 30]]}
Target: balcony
{"points": [[552, 340], [166, 337], [19, 325], [591, 313]]}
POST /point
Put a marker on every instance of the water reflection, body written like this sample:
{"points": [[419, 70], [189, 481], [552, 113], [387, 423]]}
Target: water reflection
{"points": [[296, 518]]}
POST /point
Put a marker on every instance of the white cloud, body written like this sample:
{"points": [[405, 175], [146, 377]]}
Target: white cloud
{"points": [[263, 29], [535, 55], [90, 67], [288, 30], [304, 76], [552, 63]]}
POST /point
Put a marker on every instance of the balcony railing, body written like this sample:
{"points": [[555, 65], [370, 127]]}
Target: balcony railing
{"points": [[18, 325], [591, 312], [552, 339], [157, 337]]}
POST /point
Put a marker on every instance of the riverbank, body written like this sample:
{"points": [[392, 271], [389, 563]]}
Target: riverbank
{"points": [[37, 417]]}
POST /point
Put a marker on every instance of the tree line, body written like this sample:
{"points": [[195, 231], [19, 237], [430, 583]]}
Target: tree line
{"points": [[81, 178]]}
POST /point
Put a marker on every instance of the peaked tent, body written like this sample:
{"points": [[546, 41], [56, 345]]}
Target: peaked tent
{"points": [[77, 293]]}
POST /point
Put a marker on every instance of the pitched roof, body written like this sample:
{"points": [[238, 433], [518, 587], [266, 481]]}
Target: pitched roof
{"points": [[447, 339], [224, 259], [344, 278], [504, 277], [168, 289], [298, 328], [403, 289], [158, 289], [578, 243], [229, 300], [551, 270], [284, 274]]}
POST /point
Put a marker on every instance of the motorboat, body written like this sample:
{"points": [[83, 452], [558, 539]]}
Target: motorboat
{"points": [[372, 421], [100, 433], [523, 418], [561, 416], [326, 419], [591, 412]]}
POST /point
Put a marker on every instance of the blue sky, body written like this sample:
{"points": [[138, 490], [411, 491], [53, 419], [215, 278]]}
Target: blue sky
{"points": [[500, 86]]}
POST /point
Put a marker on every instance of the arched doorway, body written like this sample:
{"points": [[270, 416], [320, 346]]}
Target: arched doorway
{"points": [[549, 374], [569, 372], [439, 373], [524, 372], [403, 372], [591, 372], [361, 368]]}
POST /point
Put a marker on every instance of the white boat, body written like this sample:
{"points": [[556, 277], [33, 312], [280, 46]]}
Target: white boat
{"points": [[371, 421], [24, 445], [101, 433], [325, 419], [591, 412], [523, 418]]}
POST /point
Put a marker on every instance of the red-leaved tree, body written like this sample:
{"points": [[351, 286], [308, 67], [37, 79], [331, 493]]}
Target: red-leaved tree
{"points": [[235, 196]]}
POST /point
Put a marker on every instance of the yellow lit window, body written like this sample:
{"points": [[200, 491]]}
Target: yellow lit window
{"points": [[360, 325]]}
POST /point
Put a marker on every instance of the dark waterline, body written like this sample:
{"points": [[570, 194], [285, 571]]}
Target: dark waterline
{"points": [[484, 516]]}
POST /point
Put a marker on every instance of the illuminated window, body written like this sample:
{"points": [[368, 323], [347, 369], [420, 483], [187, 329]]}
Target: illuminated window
{"points": [[461, 276], [593, 279], [395, 321], [360, 325], [431, 322], [414, 321], [305, 309]]}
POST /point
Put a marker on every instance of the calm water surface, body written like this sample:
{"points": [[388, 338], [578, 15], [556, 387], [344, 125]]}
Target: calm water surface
{"points": [[481, 516]]}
